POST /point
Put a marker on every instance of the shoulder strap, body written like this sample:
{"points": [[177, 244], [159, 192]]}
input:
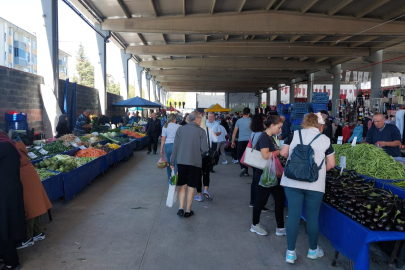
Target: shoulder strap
{"points": [[208, 134], [299, 132], [316, 137], [254, 146]]}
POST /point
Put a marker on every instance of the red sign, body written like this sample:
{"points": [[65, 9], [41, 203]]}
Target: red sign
{"points": [[295, 91], [328, 92], [316, 90], [285, 89], [350, 91], [303, 92], [345, 91], [355, 93], [299, 91], [341, 91]]}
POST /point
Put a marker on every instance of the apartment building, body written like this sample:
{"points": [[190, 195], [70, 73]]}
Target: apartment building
{"points": [[18, 49]]}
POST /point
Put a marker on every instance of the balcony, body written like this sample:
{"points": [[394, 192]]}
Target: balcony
{"points": [[21, 45], [19, 61]]}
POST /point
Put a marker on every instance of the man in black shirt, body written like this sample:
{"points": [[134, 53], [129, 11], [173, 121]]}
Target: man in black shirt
{"points": [[153, 129]]}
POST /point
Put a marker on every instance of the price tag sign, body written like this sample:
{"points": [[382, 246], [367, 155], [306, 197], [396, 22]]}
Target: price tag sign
{"points": [[343, 162], [32, 155], [78, 140], [66, 144], [92, 140], [82, 147], [43, 151], [354, 141], [340, 140], [95, 133], [38, 147], [74, 144]]}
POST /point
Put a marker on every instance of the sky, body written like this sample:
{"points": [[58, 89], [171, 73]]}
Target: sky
{"points": [[72, 31]]}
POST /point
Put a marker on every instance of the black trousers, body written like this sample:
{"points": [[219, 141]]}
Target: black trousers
{"points": [[263, 195], [234, 152], [253, 187], [241, 149], [214, 147], [205, 174], [8, 252], [153, 138]]}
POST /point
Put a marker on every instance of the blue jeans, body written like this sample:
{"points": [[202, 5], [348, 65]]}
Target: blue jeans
{"points": [[168, 151], [313, 202]]}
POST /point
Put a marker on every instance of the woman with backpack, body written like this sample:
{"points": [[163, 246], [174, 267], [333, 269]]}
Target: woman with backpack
{"points": [[266, 145], [305, 181]]}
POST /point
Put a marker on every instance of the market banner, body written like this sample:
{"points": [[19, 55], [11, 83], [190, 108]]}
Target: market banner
{"points": [[402, 78], [365, 78], [347, 76], [389, 75], [355, 76], [360, 76], [384, 75]]}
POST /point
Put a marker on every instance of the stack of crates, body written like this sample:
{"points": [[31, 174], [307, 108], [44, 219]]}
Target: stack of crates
{"points": [[16, 121], [297, 113], [283, 110], [320, 98], [316, 107]]}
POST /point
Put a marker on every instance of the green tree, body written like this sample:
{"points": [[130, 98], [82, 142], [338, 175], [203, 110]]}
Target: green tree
{"points": [[131, 92], [84, 70], [113, 87], [176, 97]]}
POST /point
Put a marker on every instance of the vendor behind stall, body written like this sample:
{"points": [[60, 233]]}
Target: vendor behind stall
{"points": [[81, 123], [357, 132], [384, 135], [102, 120], [62, 127]]}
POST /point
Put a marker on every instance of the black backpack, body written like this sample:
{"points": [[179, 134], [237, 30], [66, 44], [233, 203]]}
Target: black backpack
{"points": [[301, 165]]}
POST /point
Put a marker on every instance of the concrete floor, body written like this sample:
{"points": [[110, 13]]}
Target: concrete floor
{"points": [[101, 228]]}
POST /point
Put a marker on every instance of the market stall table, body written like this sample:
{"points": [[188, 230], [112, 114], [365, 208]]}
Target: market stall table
{"points": [[142, 142], [54, 186]]}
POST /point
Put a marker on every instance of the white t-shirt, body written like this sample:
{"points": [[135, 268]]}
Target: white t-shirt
{"points": [[170, 132], [212, 136], [322, 148], [214, 125]]}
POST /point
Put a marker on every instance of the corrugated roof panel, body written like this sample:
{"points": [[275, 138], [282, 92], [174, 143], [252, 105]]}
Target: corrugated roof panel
{"points": [[140, 7], [226, 6], [169, 7], [198, 6]]}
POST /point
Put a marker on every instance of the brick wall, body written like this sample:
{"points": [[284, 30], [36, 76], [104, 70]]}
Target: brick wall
{"points": [[19, 91]]}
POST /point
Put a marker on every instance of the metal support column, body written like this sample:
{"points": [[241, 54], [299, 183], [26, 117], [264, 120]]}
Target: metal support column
{"points": [[278, 94], [376, 73], [148, 77], [158, 93], [100, 70], [310, 87], [138, 90], [292, 91], [226, 100], [336, 70], [124, 83], [154, 90], [268, 97]]}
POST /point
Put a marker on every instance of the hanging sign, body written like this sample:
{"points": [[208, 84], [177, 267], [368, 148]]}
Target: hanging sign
{"points": [[350, 91], [341, 91], [360, 76], [355, 76], [365, 77], [328, 92], [303, 92], [347, 79], [299, 91], [316, 90]]}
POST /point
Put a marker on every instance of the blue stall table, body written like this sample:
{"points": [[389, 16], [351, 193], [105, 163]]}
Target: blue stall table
{"points": [[89, 171], [119, 153], [54, 186], [71, 184], [142, 142]]}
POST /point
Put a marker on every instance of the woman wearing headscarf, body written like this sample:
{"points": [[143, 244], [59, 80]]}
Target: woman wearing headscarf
{"points": [[36, 200], [62, 127], [12, 214]]}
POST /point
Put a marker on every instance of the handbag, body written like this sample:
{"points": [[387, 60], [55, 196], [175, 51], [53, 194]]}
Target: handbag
{"points": [[213, 154], [242, 160], [254, 157]]}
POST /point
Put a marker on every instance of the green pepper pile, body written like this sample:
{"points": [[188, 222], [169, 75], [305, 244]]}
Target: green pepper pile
{"points": [[370, 160], [53, 148], [44, 174]]}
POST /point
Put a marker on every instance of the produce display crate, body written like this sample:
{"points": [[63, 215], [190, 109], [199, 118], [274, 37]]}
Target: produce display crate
{"points": [[142, 142], [16, 125], [21, 117], [295, 115], [321, 100], [295, 127], [316, 107], [283, 108], [54, 186], [297, 121], [319, 94]]}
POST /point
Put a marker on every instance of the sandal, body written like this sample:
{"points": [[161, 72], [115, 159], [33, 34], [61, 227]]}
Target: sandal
{"points": [[180, 213], [207, 196], [188, 214]]}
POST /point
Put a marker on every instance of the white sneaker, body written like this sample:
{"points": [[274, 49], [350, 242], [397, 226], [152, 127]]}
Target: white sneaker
{"points": [[258, 229], [291, 256], [281, 231], [225, 162], [236, 161], [315, 253]]}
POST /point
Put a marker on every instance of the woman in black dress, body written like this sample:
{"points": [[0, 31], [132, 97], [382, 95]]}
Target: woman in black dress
{"points": [[12, 213]]}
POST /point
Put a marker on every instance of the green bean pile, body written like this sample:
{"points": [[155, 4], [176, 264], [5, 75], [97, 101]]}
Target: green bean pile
{"points": [[370, 160]]}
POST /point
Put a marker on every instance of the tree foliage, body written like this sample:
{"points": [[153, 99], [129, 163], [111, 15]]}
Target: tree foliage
{"points": [[176, 97], [113, 87], [84, 70]]}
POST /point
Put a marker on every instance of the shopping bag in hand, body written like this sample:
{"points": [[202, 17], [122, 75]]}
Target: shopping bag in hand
{"points": [[269, 175], [162, 163], [242, 160], [279, 167], [172, 193]]}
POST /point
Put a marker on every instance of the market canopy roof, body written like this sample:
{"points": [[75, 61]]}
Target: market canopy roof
{"points": [[172, 109], [217, 108], [160, 103], [137, 102]]}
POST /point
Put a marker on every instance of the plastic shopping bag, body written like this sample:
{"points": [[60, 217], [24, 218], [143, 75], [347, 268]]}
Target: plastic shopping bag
{"points": [[279, 167], [172, 193], [162, 163], [243, 157], [269, 175]]}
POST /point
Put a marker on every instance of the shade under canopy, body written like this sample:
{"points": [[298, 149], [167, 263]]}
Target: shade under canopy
{"points": [[137, 102]]}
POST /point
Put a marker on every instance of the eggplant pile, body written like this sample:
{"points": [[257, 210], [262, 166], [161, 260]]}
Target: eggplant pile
{"points": [[375, 208]]}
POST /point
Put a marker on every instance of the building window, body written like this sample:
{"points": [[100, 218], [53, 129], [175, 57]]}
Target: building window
{"points": [[10, 65], [10, 50], [5, 36], [9, 31], [64, 59], [34, 44], [28, 57], [34, 59], [16, 52], [26, 69], [34, 71], [26, 39]]}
